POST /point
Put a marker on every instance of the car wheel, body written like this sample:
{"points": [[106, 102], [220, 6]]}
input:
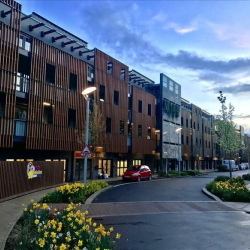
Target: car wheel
{"points": [[139, 178], [150, 178]]}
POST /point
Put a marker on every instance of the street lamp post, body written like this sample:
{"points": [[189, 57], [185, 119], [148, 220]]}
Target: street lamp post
{"points": [[179, 166], [86, 93]]}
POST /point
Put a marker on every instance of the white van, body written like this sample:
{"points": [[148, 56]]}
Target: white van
{"points": [[227, 163]]}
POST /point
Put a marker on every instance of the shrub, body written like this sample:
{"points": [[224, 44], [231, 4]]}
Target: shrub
{"points": [[246, 177], [221, 178], [68, 228], [230, 190], [73, 192], [193, 172], [222, 168], [162, 174]]}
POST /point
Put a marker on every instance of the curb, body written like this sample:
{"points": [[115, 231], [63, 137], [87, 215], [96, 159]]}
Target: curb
{"points": [[206, 192]]}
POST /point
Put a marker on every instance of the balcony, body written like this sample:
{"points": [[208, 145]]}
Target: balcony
{"points": [[22, 86], [90, 75], [20, 130]]}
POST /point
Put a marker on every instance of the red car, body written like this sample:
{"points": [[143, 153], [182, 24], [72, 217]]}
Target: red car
{"points": [[137, 173]]}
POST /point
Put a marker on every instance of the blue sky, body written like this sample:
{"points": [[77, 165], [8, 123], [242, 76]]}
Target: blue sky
{"points": [[202, 45]]}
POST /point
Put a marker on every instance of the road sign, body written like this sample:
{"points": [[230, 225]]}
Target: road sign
{"points": [[86, 151]]}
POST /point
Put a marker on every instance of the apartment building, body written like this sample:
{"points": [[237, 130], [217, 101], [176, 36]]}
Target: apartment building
{"points": [[198, 145], [43, 71]]}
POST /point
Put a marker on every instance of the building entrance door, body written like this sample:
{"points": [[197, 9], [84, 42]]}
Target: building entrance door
{"points": [[105, 166]]}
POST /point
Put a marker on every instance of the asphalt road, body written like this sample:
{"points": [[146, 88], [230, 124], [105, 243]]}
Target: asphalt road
{"points": [[191, 226], [177, 189]]}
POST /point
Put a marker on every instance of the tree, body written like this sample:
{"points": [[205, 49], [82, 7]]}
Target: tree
{"points": [[225, 132], [96, 132]]}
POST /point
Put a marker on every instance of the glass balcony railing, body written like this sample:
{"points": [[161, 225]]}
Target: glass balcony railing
{"points": [[20, 128], [22, 84]]}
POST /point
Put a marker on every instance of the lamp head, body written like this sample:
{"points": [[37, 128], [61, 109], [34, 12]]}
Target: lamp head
{"points": [[88, 91], [178, 130]]}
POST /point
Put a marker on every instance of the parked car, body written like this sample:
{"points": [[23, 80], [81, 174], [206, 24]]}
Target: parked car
{"points": [[137, 173], [242, 166], [246, 165], [229, 163]]}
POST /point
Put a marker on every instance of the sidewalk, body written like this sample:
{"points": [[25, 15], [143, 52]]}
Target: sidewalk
{"points": [[11, 210]]}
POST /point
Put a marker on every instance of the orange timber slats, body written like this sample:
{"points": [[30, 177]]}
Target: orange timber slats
{"points": [[57, 136], [143, 145], [14, 179], [9, 37], [113, 142]]}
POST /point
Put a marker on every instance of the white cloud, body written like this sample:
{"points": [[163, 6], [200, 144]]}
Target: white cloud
{"points": [[237, 37], [160, 17], [181, 30]]}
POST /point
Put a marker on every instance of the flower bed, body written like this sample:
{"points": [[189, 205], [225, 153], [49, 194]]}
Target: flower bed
{"points": [[229, 190], [69, 228], [73, 192]]}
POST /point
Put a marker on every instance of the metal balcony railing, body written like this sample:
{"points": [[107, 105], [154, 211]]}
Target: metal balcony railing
{"points": [[22, 84], [20, 128]]}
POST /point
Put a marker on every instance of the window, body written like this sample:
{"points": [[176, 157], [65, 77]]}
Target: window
{"points": [[181, 121], [116, 98], [187, 140], [50, 74], [129, 129], [194, 125], [25, 42], [139, 130], [205, 129], [197, 141], [140, 106], [181, 139], [187, 123], [149, 133], [165, 81], [73, 82], [122, 75], [102, 93], [108, 125], [171, 85], [72, 118], [48, 114], [149, 109], [121, 167], [109, 67], [176, 89], [121, 127], [2, 104]]}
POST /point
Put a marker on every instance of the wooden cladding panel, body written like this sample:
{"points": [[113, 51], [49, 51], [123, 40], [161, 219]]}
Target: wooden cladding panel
{"points": [[186, 149], [8, 66], [14, 179], [57, 136], [143, 145], [113, 142]]}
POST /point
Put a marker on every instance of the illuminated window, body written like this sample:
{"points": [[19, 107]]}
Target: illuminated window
{"points": [[29, 159], [48, 160], [9, 159], [19, 159], [136, 162]]}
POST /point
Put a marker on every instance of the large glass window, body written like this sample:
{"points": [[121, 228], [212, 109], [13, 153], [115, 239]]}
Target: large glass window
{"points": [[149, 133], [176, 89], [102, 93], [2, 104], [171, 85], [48, 114], [72, 118], [109, 67], [139, 130], [149, 109], [140, 106], [165, 81], [116, 97], [136, 162], [108, 125], [121, 167], [121, 127], [122, 75], [25, 42], [50, 74], [73, 82]]}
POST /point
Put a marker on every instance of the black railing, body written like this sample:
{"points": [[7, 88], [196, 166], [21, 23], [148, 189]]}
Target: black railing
{"points": [[20, 128], [22, 84]]}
